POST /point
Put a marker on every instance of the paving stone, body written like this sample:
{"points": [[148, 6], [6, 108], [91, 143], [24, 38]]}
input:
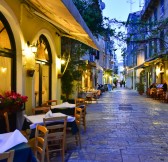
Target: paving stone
{"points": [[123, 126]]}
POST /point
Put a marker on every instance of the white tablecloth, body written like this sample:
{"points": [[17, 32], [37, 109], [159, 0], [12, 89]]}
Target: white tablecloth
{"points": [[38, 119], [9, 140], [63, 105]]}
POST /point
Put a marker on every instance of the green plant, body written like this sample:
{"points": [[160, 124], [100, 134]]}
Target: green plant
{"points": [[67, 84], [140, 87]]}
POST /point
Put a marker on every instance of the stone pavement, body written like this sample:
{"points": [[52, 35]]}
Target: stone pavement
{"points": [[123, 127]]}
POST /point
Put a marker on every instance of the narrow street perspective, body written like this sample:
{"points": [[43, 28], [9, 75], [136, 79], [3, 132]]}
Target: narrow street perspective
{"points": [[123, 127], [84, 80]]}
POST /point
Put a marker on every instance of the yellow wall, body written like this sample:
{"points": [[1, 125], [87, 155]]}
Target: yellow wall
{"points": [[26, 26]]}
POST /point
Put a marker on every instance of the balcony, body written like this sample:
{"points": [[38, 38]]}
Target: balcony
{"points": [[148, 8]]}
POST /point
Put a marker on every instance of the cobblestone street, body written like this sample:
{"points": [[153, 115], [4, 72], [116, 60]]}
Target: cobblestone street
{"points": [[123, 127]]}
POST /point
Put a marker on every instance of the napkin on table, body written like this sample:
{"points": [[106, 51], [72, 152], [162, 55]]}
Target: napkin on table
{"points": [[9, 140], [48, 114]]}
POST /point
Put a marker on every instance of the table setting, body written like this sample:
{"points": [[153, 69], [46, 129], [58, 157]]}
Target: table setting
{"points": [[17, 142], [32, 120], [65, 108]]}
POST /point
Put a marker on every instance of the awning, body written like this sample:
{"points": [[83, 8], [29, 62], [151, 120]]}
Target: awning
{"points": [[140, 66], [154, 60], [64, 15]]}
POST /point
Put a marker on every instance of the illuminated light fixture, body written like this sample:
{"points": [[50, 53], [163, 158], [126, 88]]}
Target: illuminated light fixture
{"points": [[33, 47], [3, 69], [30, 59], [62, 61]]}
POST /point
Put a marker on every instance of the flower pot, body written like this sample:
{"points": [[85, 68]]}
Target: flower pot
{"points": [[11, 108], [12, 115], [141, 93]]}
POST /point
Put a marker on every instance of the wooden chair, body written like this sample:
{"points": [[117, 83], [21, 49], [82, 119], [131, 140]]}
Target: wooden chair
{"points": [[80, 102], [153, 92], [24, 133], [51, 102], [7, 121], [89, 97], [56, 136], [70, 137], [40, 142], [40, 110], [148, 92], [8, 156]]}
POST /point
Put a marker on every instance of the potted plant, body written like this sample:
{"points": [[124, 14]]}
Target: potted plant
{"points": [[140, 88], [11, 101]]}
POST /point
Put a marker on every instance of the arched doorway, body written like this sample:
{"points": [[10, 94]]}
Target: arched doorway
{"points": [[7, 56], [43, 71]]}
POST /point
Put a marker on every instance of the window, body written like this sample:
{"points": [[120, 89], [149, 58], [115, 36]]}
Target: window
{"points": [[146, 49], [7, 57], [162, 40], [155, 46], [155, 15], [161, 7], [150, 23], [150, 48]]}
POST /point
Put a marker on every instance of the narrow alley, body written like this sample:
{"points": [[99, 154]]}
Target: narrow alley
{"points": [[123, 127]]}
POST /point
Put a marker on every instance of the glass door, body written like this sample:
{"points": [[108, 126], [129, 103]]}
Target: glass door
{"points": [[41, 84]]}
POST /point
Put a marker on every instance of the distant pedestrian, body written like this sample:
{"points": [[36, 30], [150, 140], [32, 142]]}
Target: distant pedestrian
{"points": [[123, 82]]}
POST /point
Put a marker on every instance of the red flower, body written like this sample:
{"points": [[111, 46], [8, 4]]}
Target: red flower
{"points": [[11, 97]]}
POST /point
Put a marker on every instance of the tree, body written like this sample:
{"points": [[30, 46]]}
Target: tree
{"points": [[92, 14], [67, 84], [74, 67]]}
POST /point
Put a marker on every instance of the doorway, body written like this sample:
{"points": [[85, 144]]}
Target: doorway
{"points": [[42, 83]]}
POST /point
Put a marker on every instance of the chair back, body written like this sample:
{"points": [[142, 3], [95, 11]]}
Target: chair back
{"points": [[57, 134], [51, 102], [7, 121], [24, 133], [40, 110], [7, 156], [40, 142], [80, 101], [78, 115]]}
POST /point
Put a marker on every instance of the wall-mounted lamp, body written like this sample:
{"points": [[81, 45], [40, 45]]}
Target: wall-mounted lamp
{"points": [[62, 61], [33, 47], [30, 59], [3, 69], [65, 63]]}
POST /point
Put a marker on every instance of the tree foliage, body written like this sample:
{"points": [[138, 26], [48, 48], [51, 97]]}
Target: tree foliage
{"points": [[74, 68], [92, 14]]}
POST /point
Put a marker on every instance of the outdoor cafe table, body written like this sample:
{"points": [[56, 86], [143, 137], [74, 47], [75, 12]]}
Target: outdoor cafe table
{"points": [[65, 108], [23, 152], [31, 122]]}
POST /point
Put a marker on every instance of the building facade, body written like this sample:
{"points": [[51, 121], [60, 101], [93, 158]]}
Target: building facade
{"points": [[30, 46], [150, 50]]}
